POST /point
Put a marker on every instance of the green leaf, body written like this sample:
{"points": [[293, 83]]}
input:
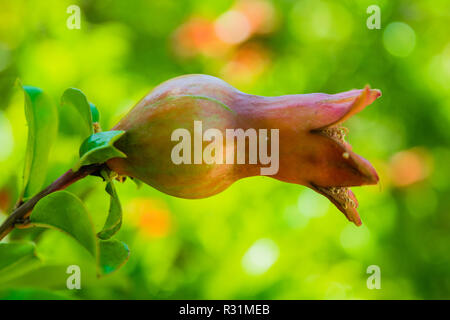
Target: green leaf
{"points": [[114, 219], [138, 182], [64, 211], [42, 119], [17, 258], [76, 98], [99, 147], [113, 254], [94, 112]]}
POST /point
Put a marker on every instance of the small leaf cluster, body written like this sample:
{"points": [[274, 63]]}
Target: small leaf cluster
{"points": [[62, 210]]}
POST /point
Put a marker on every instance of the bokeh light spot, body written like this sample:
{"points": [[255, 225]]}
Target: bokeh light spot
{"points": [[247, 63], [151, 217], [233, 27], [399, 39], [439, 70], [410, 166], [336, 291], [354, 237], [260, 14], [314, 20], [294, 218], [260, 257], [312, 204]]}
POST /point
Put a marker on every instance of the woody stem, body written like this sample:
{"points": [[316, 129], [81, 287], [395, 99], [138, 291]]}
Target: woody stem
{"points": [[24, 210]]}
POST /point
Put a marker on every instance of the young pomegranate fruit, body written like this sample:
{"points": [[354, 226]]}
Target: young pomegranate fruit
{"points": [[194, 135]]}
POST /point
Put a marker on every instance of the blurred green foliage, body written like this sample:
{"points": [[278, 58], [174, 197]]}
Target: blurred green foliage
{"points": [[261, 238]]}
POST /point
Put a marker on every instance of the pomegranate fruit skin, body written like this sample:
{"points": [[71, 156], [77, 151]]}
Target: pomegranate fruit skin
{"points": [[147, 142], [308, 154]]}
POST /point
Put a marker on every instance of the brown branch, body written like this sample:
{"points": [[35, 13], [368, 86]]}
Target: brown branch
{"points": [[24, 210]]}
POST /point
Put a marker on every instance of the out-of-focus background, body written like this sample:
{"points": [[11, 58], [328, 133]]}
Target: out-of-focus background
{"points": [[261, 238]]}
